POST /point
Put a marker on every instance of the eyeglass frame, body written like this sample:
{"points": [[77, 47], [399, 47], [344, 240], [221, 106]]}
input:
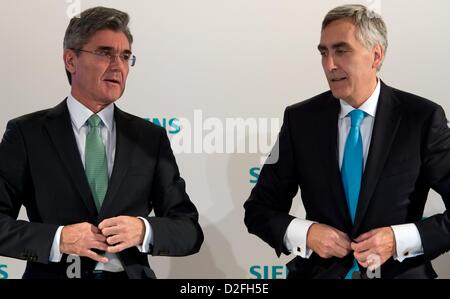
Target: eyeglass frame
{"points": [[131, 60]]}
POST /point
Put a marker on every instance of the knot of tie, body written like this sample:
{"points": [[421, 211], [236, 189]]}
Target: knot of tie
{"points": [[94, 121], [357, 117]]}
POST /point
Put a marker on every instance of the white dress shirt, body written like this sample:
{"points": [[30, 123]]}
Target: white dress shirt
{"points": [[407, 237], [79, 114]]}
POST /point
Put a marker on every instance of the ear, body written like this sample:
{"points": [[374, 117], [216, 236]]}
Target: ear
{"points": [[378, 56], [70, 60]]}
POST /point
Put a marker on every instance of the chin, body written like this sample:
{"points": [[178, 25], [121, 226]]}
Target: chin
{"points": [[339, 93], [108, 100], [112, 94], [112, 97]]}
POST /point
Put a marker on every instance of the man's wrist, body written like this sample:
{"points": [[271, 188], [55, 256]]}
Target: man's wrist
{"points": [[142, 234]]}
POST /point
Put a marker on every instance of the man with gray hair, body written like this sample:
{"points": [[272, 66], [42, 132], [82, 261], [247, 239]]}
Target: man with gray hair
{"points": [[364, 156], [90, 174]]}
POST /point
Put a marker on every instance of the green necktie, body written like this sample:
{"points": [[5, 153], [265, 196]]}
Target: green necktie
{"points": [[96, 165]]}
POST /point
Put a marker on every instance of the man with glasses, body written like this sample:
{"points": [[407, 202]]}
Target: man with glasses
{"points": [[89, 174]]}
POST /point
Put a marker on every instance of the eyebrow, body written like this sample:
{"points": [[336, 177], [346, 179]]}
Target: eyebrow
{"points": [[107, 48], [334, 46]]}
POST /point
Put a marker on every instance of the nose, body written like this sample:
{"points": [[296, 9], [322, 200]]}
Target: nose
{"points": [[116, 63], [115, 59], [329, 63]]}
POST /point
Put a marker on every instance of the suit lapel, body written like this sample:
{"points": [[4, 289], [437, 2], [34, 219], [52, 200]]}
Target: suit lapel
{"points": [[60, 130], [331, 137], [126, 138], [387, 120]]}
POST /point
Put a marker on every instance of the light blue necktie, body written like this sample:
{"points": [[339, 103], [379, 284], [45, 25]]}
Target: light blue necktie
{"points": [[352, 169]]}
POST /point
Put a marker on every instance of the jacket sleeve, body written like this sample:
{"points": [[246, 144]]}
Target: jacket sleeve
{"points": [[176, 231], [267, 208], [435, 231], [19, 239]]}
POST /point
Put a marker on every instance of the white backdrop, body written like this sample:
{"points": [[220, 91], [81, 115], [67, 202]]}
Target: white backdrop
{"points": [[229, 58]]}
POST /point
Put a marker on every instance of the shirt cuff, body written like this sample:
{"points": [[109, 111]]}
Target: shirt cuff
{"points": [[295, 237], [55, 253], [148, 237], [408, 241]]}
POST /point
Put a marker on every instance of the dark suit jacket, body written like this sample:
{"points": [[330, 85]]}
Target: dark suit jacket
{"points": [[409, 154], [41, 168]]}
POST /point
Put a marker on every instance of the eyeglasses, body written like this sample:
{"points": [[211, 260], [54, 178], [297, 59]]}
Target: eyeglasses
{"points": [[126, 57]]}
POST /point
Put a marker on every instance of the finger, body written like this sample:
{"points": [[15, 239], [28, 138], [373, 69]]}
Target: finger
{"points": [[364, 236], [112, 230], [343, 235], [109, 222], [96, 257], [341, 251], [100, 238], [98, 245], [370, 261], [94, 229], [116, 248], [344, 243], [362, 256], [114, 239], [362, 262], [362, 246]]}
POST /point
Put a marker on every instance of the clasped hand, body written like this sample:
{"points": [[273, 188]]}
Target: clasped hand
{"points": [[371, 249], [112, 235]]}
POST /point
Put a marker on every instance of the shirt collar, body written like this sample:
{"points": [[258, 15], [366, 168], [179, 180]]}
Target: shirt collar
{"points": [[80, 113], [369, 106]]}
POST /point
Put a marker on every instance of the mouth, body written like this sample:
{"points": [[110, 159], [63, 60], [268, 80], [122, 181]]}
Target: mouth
{"points": [[112, 81], [338, 79]]}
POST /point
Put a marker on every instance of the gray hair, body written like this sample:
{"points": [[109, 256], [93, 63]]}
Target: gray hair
{"points": [[81, 28], [371, 27]]}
